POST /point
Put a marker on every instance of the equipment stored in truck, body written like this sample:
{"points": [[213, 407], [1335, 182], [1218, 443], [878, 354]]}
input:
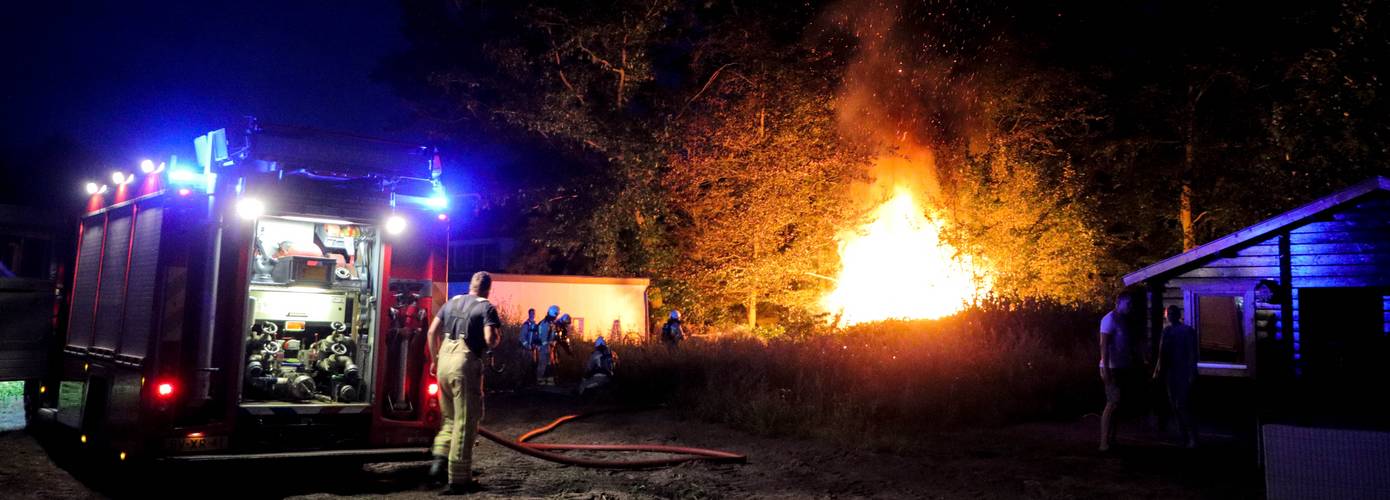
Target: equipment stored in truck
{"points": [[260, 301]]}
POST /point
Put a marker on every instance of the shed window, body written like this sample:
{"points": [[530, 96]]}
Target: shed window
{"points": [[1221, 328]]}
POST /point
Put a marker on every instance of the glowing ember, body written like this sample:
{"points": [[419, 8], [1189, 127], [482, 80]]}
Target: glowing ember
{"points": [[897, 267]]}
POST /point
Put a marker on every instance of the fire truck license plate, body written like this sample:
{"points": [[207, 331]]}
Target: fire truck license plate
{"points": [[203, 443]]}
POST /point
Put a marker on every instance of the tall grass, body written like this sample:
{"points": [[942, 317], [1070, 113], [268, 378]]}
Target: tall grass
{"points": [[872, 383], [987, 366]]}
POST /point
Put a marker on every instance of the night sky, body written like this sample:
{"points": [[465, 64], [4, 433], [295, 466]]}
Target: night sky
{"points": [[122, 81]]}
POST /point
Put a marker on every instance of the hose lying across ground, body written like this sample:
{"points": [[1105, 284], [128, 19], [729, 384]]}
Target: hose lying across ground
{"points": [[544, 450]]}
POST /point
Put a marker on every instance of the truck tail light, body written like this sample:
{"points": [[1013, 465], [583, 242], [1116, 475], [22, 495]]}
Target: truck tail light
{"points": [[164, 390], [432, 389]]}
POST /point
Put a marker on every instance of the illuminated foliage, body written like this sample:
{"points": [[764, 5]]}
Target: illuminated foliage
{"points": [[759, 179], [720, 147]]}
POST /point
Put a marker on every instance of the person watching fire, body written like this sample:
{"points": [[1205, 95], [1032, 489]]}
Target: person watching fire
{"points": [[1177, 368], [1114, 365]]}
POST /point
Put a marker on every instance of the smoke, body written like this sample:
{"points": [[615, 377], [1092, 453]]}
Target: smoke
{"points": [[904, 92]]}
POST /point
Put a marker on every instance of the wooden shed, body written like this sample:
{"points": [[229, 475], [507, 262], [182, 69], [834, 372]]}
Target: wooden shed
{"points": [[1299, 303]]}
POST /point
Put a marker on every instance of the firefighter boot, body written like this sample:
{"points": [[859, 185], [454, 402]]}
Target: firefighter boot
{"points": [[439, 469], [472, 486]]}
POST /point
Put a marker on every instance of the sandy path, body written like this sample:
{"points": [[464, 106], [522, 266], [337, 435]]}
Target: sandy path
{"points": [[1032, 461]]}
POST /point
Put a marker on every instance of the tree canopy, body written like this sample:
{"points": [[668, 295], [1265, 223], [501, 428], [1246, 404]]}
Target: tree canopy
{"points": [[721, 147]]}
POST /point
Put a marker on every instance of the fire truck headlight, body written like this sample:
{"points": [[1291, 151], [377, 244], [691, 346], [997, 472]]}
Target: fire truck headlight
{"points": [[118, 178], [93, 188], [249, 208], [395, 224], [147, 166]]}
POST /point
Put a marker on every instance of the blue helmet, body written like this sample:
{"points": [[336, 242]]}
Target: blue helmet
{"points": [[599, 342], [553, 311], [564, 318], [676, 315]]}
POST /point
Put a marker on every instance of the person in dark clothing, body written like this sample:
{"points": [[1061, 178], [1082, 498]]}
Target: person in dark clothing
{"points": [[465, 329], [671, 333], [530, 338], [1177, 368], [529, 330]]}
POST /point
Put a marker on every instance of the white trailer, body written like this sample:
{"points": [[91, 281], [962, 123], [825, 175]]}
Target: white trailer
{"points": [[598, 306]]}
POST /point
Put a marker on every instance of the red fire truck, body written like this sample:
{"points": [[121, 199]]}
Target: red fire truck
{"points": [[270, 302]]}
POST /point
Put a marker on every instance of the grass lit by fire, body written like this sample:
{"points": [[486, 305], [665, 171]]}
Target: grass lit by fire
{"points": [[876, 382]]}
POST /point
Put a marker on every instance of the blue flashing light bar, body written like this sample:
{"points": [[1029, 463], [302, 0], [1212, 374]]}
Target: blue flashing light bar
{"points": [[183, 176], [439, 200], [436, 202]]}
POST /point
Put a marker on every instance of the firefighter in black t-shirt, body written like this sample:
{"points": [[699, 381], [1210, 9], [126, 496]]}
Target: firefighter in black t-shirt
{"points": [[460, 336]]}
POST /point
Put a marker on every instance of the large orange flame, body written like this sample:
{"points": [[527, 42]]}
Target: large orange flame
{"points": [[897, 267]]}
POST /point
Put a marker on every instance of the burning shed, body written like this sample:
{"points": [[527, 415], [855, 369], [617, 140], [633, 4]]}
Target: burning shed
{"points": [[1298, 303]]}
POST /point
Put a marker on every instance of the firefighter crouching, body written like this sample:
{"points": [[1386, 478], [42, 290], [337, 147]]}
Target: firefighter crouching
{"points": [[598, 372], [459, 338]]}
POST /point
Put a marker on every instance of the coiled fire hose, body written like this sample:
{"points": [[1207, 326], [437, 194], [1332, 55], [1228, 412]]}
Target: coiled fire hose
{"points": [[543, 451]]}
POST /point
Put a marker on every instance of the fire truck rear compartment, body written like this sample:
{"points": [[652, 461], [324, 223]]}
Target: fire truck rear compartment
{"points": [[310, 314]]}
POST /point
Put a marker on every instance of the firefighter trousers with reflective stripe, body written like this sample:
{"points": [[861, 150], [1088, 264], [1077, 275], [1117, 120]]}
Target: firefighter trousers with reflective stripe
{"points": [[461, 405]]}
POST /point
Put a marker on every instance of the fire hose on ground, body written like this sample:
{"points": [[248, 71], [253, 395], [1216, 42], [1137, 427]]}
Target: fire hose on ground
{"points": [[545, 451]]}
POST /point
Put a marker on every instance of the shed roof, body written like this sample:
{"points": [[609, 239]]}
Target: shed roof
{"points": [[1259, 231]]}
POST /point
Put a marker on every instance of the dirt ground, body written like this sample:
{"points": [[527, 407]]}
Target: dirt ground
{"points": [[1052, 460]]}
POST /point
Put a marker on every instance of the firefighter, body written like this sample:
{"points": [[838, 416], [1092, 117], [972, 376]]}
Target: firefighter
{"points": [[562, 336], [671, 333], [545, 346], [459, 338], [599, 370], [529, 335]]}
